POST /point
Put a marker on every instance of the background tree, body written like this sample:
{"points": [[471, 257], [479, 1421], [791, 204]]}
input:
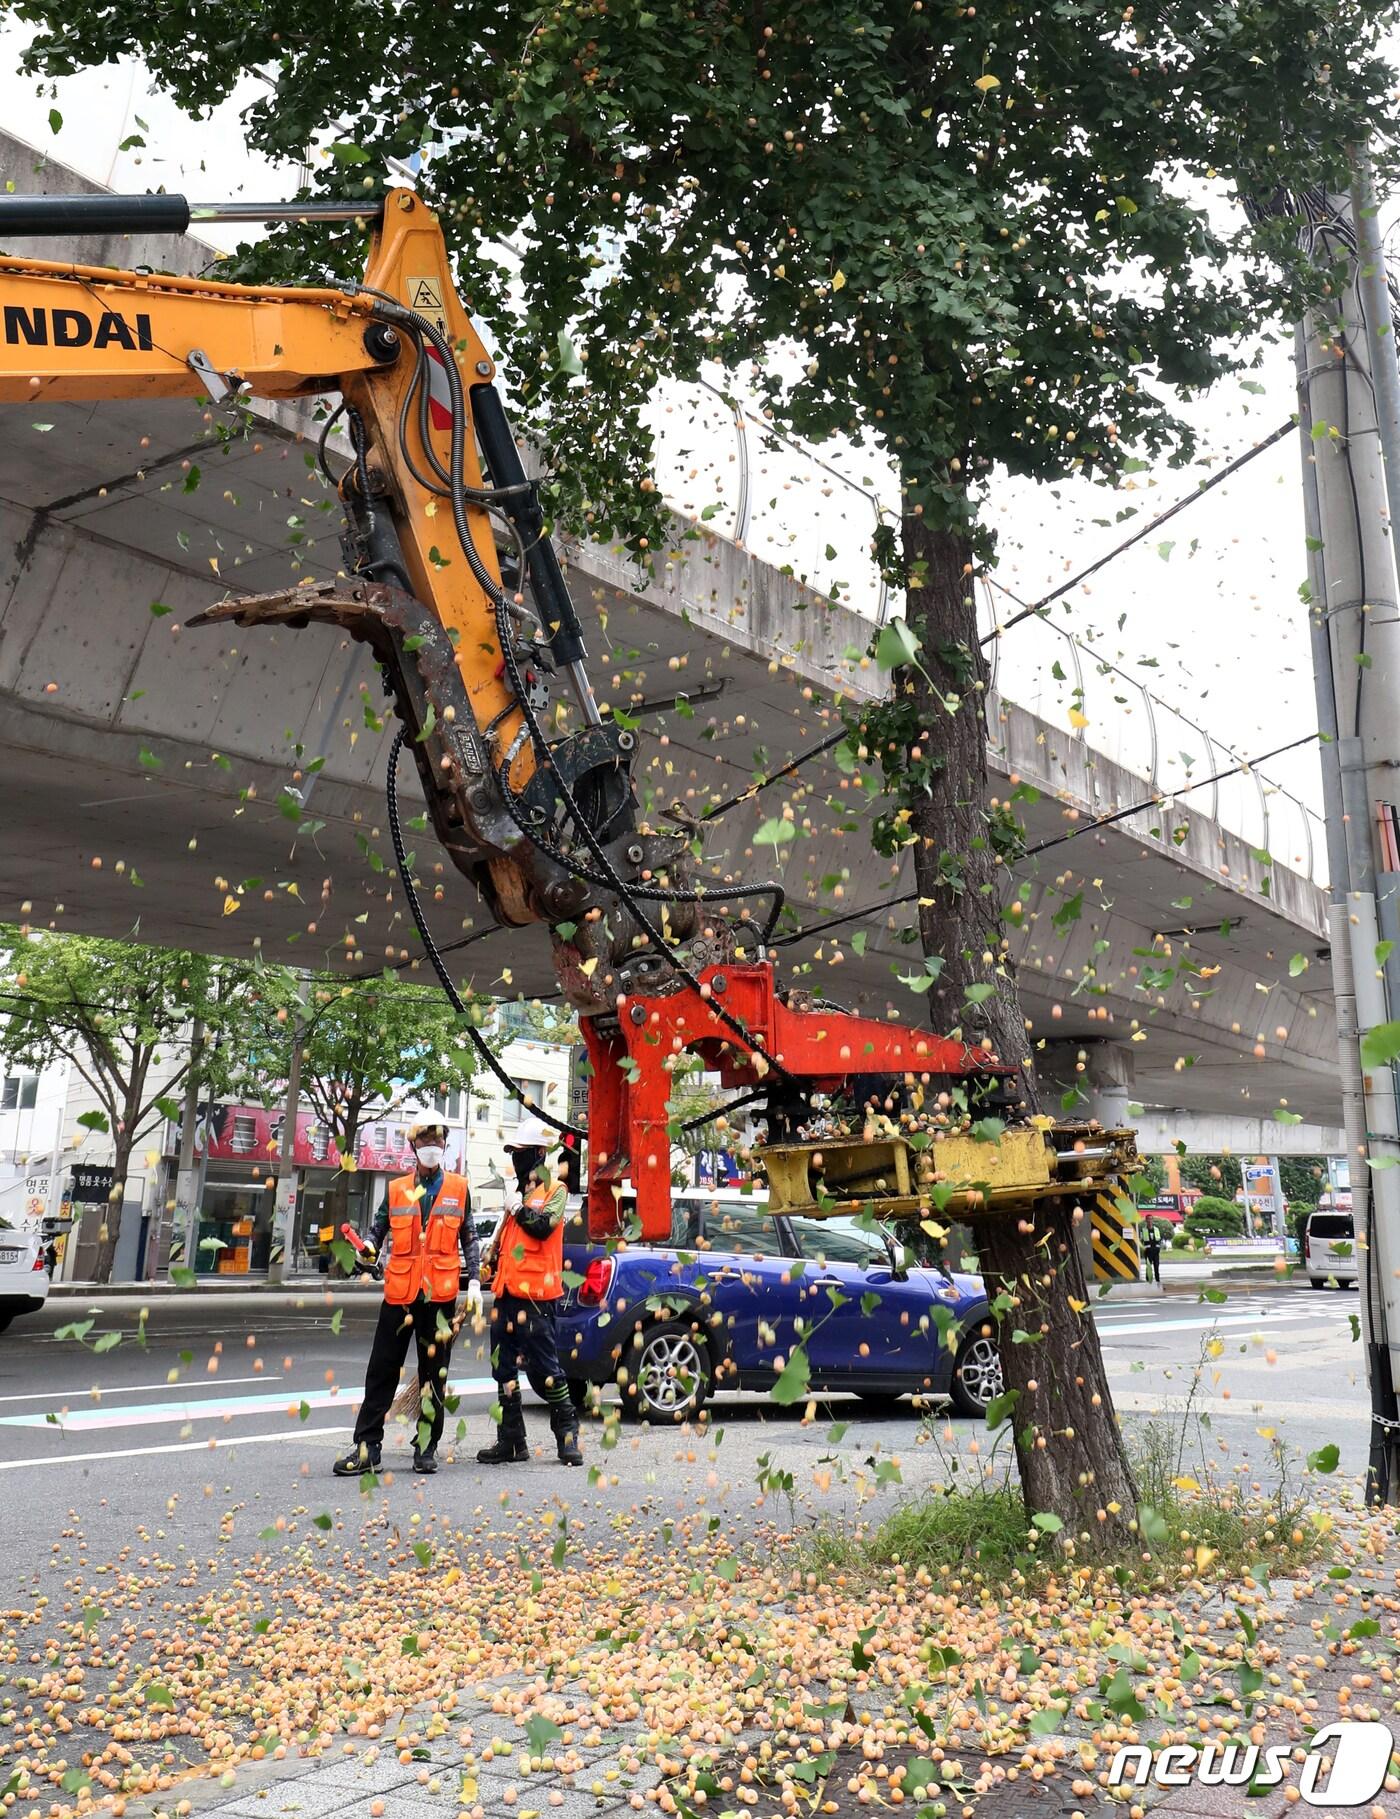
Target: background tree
{"points": [[121, 1015], [1304, 1179], [1213, 1174], [1154, 1175], [985, 237], [368, 1049]]}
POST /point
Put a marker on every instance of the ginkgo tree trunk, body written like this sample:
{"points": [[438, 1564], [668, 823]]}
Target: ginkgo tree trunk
{"points": [[1075, 1472]]}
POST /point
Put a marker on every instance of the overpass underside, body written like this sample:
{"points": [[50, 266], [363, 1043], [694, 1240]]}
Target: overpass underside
{"points": [[150, 771]]}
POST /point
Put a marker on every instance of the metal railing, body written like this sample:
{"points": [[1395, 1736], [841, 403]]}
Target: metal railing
{"points": [[1172, 750], [1170, 745]]}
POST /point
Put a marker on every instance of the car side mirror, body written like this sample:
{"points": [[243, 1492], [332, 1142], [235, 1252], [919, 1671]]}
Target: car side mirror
{"points": [[900, 1259]]}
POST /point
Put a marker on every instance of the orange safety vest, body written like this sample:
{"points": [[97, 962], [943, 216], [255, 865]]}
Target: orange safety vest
{"points": [[425, 1257], [532, 1268]]}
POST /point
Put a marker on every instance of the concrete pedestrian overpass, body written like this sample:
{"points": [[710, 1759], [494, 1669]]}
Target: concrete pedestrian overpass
{"points": [[144, 764]]}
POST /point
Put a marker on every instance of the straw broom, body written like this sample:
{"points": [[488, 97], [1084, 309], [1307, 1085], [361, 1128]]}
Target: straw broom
{"points": [[407, 1406]]}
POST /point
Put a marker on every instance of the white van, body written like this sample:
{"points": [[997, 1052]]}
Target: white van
{"points": [[24, 1276], [1329, 1249]]}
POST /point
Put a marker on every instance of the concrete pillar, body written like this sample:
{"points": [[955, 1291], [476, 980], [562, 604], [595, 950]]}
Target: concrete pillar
{"points": [[1101, 1070]]}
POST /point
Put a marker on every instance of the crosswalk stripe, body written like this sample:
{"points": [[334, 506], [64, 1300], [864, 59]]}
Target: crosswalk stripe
{"points": [[155, 1414]]}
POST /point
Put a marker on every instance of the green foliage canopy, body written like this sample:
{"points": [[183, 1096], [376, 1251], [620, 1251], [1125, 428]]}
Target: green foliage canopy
{"points": [[980, 235]]}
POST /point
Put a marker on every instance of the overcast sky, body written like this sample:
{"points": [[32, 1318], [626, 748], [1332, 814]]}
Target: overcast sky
{"points": [[1205, 612]]}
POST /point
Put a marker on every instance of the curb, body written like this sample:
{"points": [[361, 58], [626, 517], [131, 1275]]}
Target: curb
{"points": [[169, 1291]]}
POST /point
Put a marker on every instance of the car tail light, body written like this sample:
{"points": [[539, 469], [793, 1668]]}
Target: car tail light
{"points": [[39, 1261], [597, 1279]]}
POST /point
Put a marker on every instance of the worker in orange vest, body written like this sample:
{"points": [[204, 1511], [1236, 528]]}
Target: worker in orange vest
{"points": [[526, 1266], [427, 1218]]}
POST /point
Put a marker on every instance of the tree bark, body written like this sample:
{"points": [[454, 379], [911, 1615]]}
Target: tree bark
{"points": [[1069, 1446], [960, 883], [112, 1221]]}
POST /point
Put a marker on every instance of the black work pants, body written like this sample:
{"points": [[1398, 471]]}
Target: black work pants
{"points": [[523, 1343], [430, 1323], [1154, 1265]]}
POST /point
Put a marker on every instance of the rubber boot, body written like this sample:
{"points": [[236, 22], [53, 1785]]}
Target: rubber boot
{"points": [[509, 1447], [363, 1457], [564, 1420]]}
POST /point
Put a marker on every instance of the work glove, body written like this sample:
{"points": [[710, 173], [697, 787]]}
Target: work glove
{"points": [[474, 1297]]}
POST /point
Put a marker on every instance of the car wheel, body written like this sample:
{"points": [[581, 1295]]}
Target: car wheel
{"points": [[6, 1316], [976, 1374], [1316, 1282], [668, 1373]]}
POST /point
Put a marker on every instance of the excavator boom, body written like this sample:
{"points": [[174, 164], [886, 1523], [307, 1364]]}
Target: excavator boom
{"points": [[546, 827]]}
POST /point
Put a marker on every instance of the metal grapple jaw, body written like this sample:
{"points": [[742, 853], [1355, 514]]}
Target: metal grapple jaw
{"points": [[503, 846], [523, 854]]}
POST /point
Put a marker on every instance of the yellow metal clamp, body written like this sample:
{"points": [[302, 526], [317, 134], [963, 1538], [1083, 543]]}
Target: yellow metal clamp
{"points": [[958, 1175]]}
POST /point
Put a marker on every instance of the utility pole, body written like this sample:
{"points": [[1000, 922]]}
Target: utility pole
{"points": [[187, 1175], [1354, 621], [285, 1193]]}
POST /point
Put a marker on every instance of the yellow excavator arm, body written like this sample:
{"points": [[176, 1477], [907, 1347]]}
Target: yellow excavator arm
{"points": [[467, 651]]}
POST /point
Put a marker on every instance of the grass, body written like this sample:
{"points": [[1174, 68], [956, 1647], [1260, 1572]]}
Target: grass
{"points": [[1188, 1521], [986, 1525]]}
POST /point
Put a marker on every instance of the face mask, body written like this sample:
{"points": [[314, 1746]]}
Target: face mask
{"points": [[526, 1161], [431, 1155]]}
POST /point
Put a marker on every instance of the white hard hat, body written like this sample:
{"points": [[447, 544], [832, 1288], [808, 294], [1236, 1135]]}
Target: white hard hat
{"points": [[530, 1134]]}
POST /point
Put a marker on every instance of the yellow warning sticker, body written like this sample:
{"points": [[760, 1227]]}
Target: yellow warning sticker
{"points": [[1114, 1241], [425, 296]]}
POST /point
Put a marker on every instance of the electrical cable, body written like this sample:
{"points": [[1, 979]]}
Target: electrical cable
{"points": [[1089, 827], [754, 789], [398, 313], [439, 965], [1145, 530]]}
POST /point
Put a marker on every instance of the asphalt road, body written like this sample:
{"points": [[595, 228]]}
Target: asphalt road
{"points": [[228, 1416]]}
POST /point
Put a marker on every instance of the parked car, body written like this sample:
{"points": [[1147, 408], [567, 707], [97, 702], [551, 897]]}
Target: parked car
{"points": [[25, 1260], [1329, 1249], [720, 1306]]}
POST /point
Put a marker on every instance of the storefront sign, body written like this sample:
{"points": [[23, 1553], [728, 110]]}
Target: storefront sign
{"points": [[90, 1186], [1260, 1187], [252, 1133], [719, 1168]]}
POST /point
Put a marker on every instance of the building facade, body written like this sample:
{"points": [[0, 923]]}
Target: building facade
{"points": [[54, 1168]]}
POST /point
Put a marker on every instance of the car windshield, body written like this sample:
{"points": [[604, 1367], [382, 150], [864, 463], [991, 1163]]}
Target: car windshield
{"points": [[745, 1230]]}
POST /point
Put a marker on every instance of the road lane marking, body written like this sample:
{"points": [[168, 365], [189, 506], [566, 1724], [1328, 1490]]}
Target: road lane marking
{"points": [[1128, 1329], [154, 1414], [315, 1323], [130, 1389], [1244, 1407], [183, 1446]]}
